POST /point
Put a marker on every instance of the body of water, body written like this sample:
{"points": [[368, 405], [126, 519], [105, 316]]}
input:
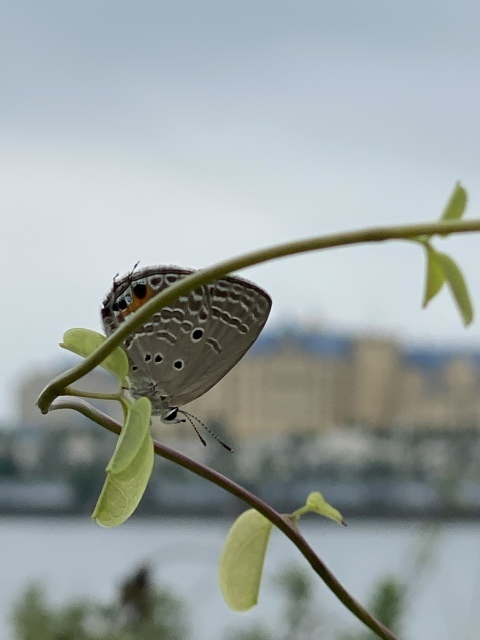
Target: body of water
{"points": [[75, 557]]}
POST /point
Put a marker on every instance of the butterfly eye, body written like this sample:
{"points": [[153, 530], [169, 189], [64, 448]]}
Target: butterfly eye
{"points": [[171, 416], [122, 304]]}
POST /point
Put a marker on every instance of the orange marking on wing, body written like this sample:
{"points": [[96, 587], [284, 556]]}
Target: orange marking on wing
{"points": [[137, 302]]}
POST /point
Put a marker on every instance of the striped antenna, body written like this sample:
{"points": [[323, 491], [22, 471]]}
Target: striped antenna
{"points": [[191, 417]]}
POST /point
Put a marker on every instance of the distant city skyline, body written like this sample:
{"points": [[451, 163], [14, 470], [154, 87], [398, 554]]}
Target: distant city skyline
{"points": [[306, 381]]}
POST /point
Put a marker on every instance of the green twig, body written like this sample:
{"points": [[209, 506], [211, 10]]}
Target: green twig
{"points": [[204, 276], [70, 391]]}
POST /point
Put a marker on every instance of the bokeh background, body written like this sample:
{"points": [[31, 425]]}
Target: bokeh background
{"points": [[187, 132]]}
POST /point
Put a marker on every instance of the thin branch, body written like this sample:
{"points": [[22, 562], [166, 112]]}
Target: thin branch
{"points": [[78, 393], [249, 498], [204, 276]]}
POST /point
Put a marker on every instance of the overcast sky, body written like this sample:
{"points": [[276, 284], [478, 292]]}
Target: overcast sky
{"points": [[185, 132]]}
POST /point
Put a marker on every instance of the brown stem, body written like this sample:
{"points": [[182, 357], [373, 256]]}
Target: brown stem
{"points": [[249, 498]]}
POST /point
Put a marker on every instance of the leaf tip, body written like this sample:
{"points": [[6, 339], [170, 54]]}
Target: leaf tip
{"points": [[457, 203]]}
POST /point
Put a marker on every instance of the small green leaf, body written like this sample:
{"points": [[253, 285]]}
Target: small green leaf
{"points": [[455, 207], [123, 491], [458, 287], [317, 503], [434, 276], [132, 435], [84, 342], [241, 563]]}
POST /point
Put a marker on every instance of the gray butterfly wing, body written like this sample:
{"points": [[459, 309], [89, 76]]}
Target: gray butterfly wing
{"points": [[238, 311], [149, 349], [185, 349], [166, 350]]}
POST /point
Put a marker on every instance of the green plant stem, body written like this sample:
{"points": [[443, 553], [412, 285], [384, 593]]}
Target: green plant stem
{"points": [[204, 276], [300, 512], [70, 391], [249, 498]]}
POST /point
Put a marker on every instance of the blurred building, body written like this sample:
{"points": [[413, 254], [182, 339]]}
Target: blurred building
{"points": [[300, 381], [309, 381]]}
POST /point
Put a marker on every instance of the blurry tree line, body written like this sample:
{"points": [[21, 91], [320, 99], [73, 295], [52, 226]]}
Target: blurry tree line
{"points": [[405, 470], [143, 610]]}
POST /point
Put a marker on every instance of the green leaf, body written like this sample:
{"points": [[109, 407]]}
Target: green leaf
{"points": [[241, 563], [132, 435], [455, 207], [434, 276], [458, 287], [317, 503], [123, 491], [84, 342]]}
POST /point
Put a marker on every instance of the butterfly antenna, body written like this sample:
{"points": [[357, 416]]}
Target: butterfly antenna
{"points": [[130, 275], [187, 415], [190, 416]]}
